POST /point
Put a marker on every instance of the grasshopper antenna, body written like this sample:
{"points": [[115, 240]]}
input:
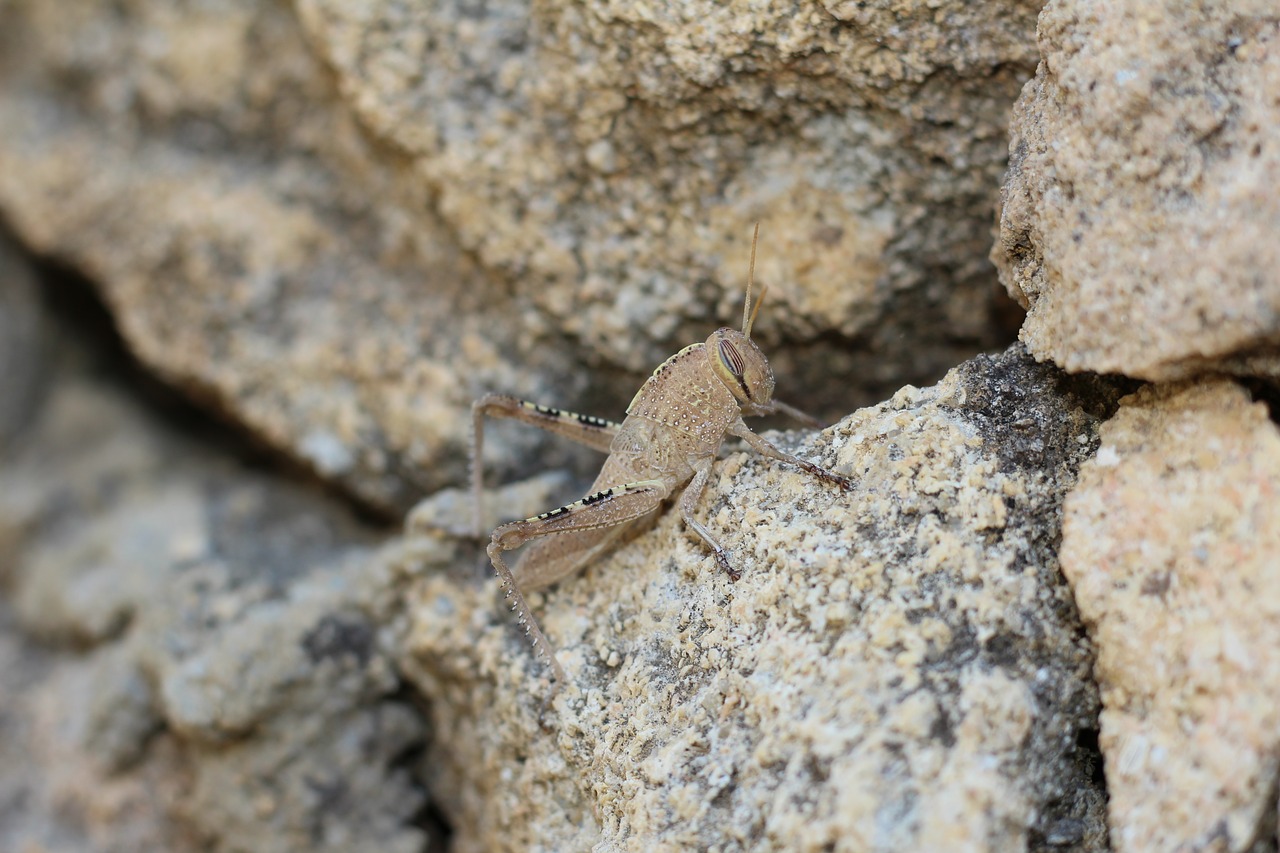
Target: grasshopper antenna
{"points": [[748, 313], [755, 310]]}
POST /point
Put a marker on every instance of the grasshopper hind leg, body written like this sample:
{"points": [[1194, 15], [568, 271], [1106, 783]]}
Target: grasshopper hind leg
{"points": [[524, 615], [588, 430], [610, 507]]}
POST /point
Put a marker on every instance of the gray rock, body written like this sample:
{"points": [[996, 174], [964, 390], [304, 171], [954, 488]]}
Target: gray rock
{"points": [[899, 668], [214, 674], [22, 354]]}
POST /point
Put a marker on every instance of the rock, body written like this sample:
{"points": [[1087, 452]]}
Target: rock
{"points": [[654, 117], [1139, 218], [291, 292], [211, 673], [22, 355], [338, 228], [901, 667], [52, 795], [1170, 542]]}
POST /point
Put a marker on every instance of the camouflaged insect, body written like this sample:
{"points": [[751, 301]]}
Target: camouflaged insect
{"points": [[665, 447]]}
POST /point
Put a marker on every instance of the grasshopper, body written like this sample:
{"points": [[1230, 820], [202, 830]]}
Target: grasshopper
{"points": [[666, 445]]}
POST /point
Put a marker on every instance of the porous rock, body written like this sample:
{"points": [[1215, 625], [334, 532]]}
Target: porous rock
{"points": [[189, 652], [1139, 213], [340, 223], [1181, 594], [900, 667]]}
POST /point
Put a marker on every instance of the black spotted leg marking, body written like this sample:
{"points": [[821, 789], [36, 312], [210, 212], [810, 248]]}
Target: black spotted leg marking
{"points": [[606, 508], [764, 448], [596, 433], [689, 504]]}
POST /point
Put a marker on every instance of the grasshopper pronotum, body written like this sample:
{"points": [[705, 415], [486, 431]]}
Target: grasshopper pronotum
{"points": [[668, 442]]}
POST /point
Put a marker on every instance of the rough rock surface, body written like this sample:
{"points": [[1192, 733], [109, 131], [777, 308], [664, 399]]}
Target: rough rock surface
{"points": [[189, 652], [22, 345], [1140, 214], [196, 167], [339, 223], [1182, 596], [899, 668], [218, 652]]}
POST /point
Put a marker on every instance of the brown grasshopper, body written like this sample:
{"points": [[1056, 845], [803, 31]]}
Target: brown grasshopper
{"points": [[667, 443]]}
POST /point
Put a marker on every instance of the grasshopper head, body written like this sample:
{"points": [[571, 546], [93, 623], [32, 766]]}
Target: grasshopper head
{"points": [[736, 359], [740, 365]]}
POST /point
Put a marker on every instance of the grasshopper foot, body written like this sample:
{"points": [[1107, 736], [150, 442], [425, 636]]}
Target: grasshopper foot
{"points": [[845, 484], [723, 560]]}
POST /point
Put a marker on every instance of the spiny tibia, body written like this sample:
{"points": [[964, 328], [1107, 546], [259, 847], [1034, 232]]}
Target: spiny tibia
{"points": [[526, 618]]}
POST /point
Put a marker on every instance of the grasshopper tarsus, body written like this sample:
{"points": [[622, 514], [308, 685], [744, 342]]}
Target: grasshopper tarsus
{"points": [[665, 448], [723, 560], [845, 484]]}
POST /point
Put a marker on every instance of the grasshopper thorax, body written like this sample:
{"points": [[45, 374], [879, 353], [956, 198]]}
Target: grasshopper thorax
{"points": [[740, 365]]}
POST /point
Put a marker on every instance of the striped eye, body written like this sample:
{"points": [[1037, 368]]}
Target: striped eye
{"points": [[731, 358]]}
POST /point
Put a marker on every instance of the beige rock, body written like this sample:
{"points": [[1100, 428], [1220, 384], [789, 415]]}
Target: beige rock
{"points": [[899, 668], [339, 223], [1171, 544], [681, 125], [1139, 214]]}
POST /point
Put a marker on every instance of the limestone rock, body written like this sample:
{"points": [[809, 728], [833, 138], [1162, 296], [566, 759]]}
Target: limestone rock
{"points": [[1170, 542], [1139, 214], [899, 668], [338, 224]]}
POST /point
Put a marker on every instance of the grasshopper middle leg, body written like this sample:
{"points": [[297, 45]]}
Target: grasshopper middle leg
{"points": [[764, 448], [689, 505]]}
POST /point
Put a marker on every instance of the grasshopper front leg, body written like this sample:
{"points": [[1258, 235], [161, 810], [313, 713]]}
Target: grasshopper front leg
{"points": [[759, 445], [702, 472], [607, 508]]}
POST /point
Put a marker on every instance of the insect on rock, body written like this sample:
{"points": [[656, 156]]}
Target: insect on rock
{"points": [[663, 449]]}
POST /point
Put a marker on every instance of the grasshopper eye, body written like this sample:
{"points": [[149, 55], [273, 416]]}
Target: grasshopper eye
{"points": [[740, 365], [731, 358]]}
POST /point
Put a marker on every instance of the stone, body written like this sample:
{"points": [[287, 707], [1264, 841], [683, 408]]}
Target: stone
{"points": [[901, 667], [22, 352], [1170, 542], [337, 225], [190, 652], [1138, 216]]}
